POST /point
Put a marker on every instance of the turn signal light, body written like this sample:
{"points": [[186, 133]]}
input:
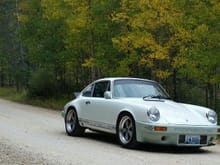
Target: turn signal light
{"points": [[160, 128]]}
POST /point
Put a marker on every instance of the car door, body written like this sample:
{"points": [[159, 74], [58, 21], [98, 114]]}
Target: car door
{"points": [[84, 103], [98, 110]]}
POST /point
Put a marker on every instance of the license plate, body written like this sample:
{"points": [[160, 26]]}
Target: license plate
{"points": [[189, 139]]}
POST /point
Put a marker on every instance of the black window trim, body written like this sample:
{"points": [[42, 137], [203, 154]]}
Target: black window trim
{"points": [[92, 85], [109, 86]]}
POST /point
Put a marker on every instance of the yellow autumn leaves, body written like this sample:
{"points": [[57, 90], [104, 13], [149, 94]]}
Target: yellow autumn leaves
{"points": [[161, 36]]}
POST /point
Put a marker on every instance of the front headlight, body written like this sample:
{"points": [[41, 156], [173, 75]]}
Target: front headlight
{"points": [[212, 116], [153, 113]]}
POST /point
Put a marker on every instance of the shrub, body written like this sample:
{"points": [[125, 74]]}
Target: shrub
{"points": [[42, 84]]}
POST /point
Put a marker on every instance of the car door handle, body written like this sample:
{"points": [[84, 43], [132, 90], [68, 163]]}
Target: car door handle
{"points": [[88, 102]]}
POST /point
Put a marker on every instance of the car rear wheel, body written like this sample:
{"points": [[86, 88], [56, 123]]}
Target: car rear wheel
{"points": [[72, 124], [126, 131]]}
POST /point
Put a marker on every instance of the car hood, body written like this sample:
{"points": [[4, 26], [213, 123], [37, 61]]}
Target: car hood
{"points": [[172, 112]]}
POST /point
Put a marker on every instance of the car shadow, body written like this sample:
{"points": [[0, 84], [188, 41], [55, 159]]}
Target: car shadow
{"points": [[171, 149], [100, 136], [111, 139]]}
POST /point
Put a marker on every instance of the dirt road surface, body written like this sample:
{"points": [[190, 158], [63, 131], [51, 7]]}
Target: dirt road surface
{"points": [[33, 135]]}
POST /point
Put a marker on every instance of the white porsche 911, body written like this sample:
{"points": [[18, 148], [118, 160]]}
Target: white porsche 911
{"points": [[139, 110]]}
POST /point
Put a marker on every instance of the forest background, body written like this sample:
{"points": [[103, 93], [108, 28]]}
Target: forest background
{"points": [[51, 48]]}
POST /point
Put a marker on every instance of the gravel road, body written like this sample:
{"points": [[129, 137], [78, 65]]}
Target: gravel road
{"points": [[33, 135]]}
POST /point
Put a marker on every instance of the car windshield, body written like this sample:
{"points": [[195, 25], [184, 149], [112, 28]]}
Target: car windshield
{"points": [[139, 88]]}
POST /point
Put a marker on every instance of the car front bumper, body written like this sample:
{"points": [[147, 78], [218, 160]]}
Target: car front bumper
{"points": [[176, 134]]}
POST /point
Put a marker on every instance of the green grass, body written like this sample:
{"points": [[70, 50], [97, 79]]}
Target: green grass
{"points": [[22, 97], [12, 94]]}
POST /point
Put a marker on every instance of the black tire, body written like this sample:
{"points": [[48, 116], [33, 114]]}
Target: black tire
{"points": [[72, 123], [126, 131]]}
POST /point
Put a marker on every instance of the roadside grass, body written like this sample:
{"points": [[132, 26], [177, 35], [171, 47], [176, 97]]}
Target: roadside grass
{"points": [[12, 94], [22, 97]]}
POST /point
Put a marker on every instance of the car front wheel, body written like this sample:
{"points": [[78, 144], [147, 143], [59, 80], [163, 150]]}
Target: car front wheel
{"points": [[72, 124], [126, 131]]}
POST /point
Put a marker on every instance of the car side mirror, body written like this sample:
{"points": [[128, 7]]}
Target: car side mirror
{"points": [[107, 95]]}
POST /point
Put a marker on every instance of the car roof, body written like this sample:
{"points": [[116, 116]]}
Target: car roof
{"points": [[122, 78]]}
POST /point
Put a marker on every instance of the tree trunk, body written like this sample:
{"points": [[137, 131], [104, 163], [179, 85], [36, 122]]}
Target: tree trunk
{"points": [[1, 75], [207, 96], [91, 42], [92, 54], [174, 85], [215, 97], [20, 64]]}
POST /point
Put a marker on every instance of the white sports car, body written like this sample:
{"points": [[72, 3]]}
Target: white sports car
{"points": [[139, 110]]}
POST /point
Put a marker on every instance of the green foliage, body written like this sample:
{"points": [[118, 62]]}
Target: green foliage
{"points": [[175, 42], [147, 29], [89, 31], [12, 64], [22, 97], [42, 84], [12, 94]]}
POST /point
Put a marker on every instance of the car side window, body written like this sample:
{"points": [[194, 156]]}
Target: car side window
{"points": [[100, 88], [88, 91]]}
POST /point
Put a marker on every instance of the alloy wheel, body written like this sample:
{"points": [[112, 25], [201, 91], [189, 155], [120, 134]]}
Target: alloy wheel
{"points": [[71, 120], [126, 129]]}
